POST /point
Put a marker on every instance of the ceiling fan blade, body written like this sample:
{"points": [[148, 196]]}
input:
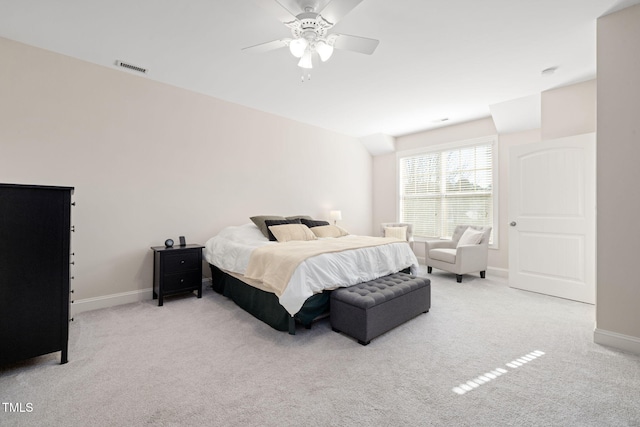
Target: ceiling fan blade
{"points": [[355, 43], [337, 9], [284, 10], [266, 47]]}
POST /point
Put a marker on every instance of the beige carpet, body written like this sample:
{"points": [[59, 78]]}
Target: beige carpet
{"points": [[206, 362]]}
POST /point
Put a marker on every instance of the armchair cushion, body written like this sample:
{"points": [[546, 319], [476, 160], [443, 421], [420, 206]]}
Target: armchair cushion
{"points": [[446, 255], [470, 237], [397, 232], [409, 236]]}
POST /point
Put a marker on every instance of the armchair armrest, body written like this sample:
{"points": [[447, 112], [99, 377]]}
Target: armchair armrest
{"points": [[471, 258], [436, 244]]}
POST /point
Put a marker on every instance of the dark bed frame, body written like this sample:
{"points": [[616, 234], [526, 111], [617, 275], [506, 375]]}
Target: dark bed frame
{"points": [[265, 305]]}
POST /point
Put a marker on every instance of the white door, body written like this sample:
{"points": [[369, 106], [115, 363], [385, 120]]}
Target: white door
{"points": [[552, 232]]}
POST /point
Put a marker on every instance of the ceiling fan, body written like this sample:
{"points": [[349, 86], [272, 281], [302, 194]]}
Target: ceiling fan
{"points": [[309, 22]]}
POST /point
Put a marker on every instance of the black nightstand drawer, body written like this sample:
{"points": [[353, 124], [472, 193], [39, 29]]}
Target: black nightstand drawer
{"points": [[182, 261], [182, 281]]}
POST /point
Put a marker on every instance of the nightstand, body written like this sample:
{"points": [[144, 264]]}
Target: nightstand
{"points": [[176, 270]]}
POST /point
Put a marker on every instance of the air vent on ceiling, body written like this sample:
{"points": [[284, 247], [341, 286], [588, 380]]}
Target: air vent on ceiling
{"points": [[131, 67]]}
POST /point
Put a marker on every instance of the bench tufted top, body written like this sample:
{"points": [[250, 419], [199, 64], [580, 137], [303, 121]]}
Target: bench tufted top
{"points": [[375, 292]]}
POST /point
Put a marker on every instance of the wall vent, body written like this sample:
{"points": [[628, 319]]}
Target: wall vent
{"points": [[131, 67]]}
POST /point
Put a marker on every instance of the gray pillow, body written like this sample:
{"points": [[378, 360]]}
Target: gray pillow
{"points": [[259, 221]]}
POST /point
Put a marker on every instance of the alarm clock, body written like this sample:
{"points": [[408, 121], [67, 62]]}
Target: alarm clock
{"points": [[168, 243]]}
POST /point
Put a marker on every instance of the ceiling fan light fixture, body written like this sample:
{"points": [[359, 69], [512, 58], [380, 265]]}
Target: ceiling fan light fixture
{"points": [[310, 31], [324, 50], [298, 46], [306, 60]]}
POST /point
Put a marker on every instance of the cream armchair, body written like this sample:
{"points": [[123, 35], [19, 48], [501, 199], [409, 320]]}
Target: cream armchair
{"points": [[467, 257]]}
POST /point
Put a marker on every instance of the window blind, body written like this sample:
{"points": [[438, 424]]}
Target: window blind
{"points": [[448, 187]]}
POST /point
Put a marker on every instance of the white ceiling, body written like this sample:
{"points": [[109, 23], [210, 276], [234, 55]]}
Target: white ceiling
{"points": [[436, 59]]}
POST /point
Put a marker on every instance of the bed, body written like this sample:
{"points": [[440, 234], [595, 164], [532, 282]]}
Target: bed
{"points": [[281, 282]]}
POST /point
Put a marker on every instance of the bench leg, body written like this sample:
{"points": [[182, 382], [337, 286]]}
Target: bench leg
{"points": [[482, 274], [459, 278], [429, 269]]}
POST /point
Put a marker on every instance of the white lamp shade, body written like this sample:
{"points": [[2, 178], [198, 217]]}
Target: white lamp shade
{"points": [[324, 50], [297, 47], [305, 61], [335, 215]]}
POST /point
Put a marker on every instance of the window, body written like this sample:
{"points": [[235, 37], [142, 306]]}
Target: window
{"points": [[447, 186]]}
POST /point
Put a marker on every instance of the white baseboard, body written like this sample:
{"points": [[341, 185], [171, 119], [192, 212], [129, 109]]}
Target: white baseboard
{"points": [[106, 301], [499, 272], [613, 339], [88, 304]]}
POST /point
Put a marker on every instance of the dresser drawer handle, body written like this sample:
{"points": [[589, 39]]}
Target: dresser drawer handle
{"points": [[181, 261], [181, 280]]}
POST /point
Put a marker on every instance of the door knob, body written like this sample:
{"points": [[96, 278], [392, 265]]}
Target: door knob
{"points": [[513, 223]]}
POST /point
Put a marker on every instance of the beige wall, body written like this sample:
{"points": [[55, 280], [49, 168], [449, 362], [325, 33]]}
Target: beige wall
{"points": [[151, 161], [569, 110], [566, 111], [385, 190], [618, 291]]}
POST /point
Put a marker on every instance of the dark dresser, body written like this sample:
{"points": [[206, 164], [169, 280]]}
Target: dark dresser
{"points": [[175, 270], [35, 243]]}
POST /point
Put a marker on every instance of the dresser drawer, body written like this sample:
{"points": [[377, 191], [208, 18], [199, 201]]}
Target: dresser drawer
{"points": [[181, 281], [182, 261]]}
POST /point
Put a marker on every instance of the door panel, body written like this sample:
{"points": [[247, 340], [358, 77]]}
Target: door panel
{"points": [[552, 212], [539, 252]]}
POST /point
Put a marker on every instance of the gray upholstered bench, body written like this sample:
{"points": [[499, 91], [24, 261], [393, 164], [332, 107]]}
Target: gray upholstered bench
{"points": [[368, 310]]}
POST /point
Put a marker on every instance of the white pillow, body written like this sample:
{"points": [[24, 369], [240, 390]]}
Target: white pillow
{"points": [[470, 237], [329, 231], [397, 232], [288, 232]]}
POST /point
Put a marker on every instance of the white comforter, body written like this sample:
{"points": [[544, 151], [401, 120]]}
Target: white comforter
{"points": [[231, 250]]}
